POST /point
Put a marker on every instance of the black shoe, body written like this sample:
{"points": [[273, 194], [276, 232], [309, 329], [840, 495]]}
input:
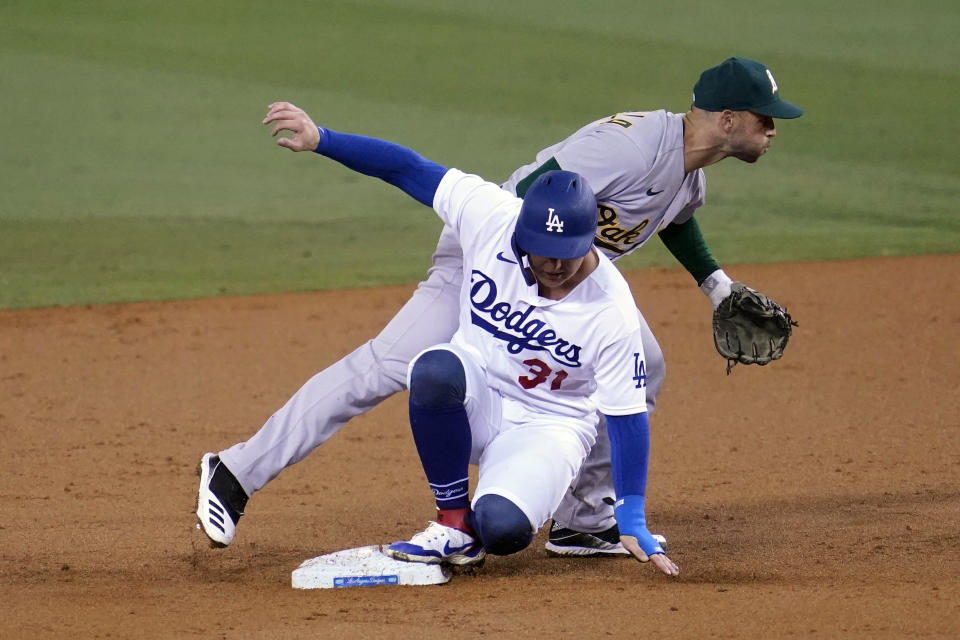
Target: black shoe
{"points": [[568, 542], [220, 502]]}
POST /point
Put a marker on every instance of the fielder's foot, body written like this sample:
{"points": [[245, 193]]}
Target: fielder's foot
{"points": [[568, 542], [220, 502], [439, 544]]}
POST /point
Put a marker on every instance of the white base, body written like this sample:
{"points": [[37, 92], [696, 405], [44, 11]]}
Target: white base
{"points": [[364, 567]]}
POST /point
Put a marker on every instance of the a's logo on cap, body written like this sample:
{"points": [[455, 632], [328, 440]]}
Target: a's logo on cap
{"points": [[554, 223], [773, 83]]}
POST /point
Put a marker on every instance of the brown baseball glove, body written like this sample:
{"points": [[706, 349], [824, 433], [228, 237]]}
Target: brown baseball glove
{"points": [[750, 328]]}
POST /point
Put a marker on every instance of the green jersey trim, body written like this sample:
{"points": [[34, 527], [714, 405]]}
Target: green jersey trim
{"points": [[549, 165]]}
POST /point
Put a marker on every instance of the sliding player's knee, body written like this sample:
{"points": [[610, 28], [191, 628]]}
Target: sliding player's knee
{"points": [[438, 380], [501, 525]]}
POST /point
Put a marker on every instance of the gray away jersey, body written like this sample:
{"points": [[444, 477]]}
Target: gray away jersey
{"points": [[634, 164]]}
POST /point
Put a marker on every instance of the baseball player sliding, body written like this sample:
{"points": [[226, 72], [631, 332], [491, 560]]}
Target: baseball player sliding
{"points": [[645, 169], [548, 334]]}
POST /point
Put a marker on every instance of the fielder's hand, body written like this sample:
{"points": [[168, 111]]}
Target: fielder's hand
{"points": [[665, 564], [288, 117]]}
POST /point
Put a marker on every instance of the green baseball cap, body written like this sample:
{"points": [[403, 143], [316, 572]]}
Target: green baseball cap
{"points": [[741, 84]]}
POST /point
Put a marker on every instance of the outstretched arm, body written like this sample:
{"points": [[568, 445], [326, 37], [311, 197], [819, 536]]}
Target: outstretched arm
{"points": [[629, 454], [404, 168]]}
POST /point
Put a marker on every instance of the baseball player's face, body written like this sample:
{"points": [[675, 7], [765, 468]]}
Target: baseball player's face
{"points": [[751, 135], [553, 272]]}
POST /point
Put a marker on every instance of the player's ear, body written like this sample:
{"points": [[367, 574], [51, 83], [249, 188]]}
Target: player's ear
{"points": [[728, 120]]}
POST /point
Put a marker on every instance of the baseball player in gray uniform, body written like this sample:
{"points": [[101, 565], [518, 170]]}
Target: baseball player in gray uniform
{"points": [[645, 168]]}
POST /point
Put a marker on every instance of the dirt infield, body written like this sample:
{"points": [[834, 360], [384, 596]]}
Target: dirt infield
{"points": [[816, 497]]}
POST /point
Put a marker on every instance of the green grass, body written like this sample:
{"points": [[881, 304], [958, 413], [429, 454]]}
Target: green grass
{"points": [[133, 165]]}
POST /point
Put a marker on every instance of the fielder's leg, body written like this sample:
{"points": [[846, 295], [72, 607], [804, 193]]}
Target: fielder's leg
{"points": [[349, 387]]}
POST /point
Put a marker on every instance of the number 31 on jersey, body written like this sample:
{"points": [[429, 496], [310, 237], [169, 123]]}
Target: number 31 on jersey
{"points": [[540, 371]]}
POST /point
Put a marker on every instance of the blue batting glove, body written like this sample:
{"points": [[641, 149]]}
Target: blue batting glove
{"points": [[631, 518]]}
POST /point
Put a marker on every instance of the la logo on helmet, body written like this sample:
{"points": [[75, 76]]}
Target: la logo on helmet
{"points": [[554, 223]]}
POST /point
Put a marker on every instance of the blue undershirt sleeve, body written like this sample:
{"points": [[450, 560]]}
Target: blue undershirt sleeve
{"points": [[404, 168], [629, 453]]}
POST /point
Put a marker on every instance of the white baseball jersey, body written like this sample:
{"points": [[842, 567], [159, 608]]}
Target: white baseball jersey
{"points": [[566, 357], [634, 163]]}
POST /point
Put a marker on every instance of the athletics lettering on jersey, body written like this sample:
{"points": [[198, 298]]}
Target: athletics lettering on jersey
{"points": [[516, 327], [620, 119], [611, 236]]}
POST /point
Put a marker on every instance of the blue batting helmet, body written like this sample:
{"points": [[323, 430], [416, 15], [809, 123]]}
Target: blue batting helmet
{"points": [[558, 218]]}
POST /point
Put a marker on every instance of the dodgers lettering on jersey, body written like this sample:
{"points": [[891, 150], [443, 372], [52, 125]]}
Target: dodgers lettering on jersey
{"points": [[520, 331], [634, 163], [566, 357]]}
